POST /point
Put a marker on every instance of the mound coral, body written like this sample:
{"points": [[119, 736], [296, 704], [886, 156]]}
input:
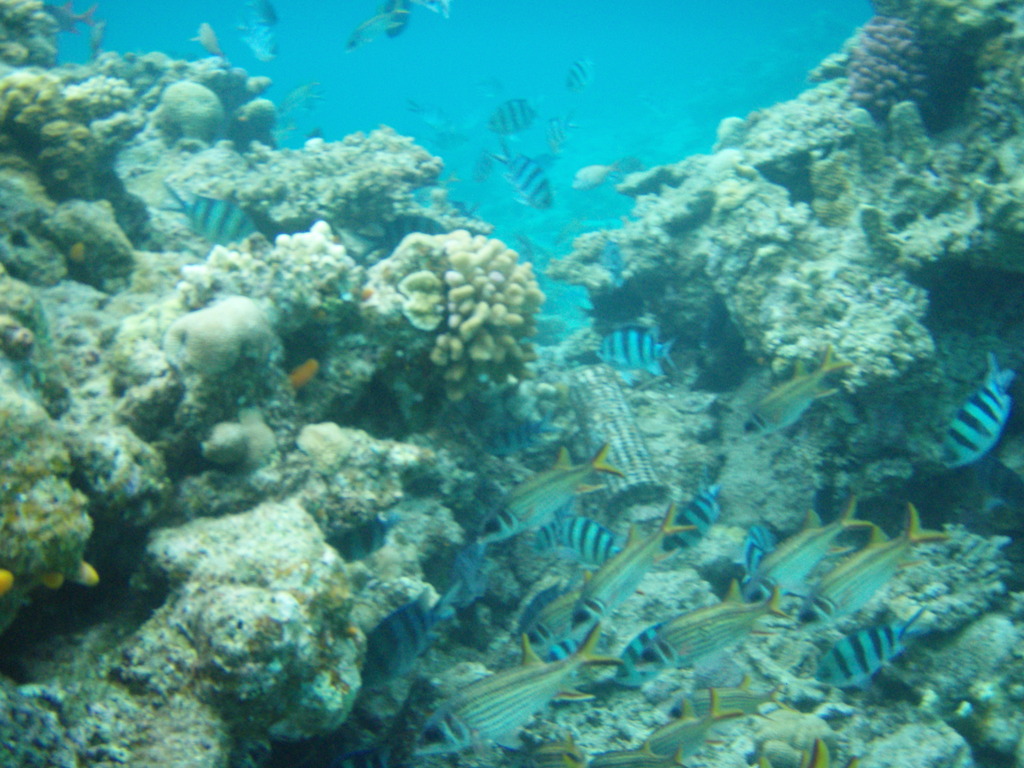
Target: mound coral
{"points": [[191, 111], [210, 341], [886, 66], [475, 292]]}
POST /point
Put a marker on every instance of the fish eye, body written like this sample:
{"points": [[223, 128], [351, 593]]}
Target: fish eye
{"points": [[649, 655], [492, 525], [433, 734]]}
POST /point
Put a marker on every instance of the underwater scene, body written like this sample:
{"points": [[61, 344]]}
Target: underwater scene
{"points": [[478, 384]]}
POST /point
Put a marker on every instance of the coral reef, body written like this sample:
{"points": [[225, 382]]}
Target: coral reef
{"points": [[27, 34], [886, 66], [210, 342], [191, 111]]}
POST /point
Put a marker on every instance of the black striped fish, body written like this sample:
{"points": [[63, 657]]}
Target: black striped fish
{"points": [[557, 132], [855, 659], [550, 622], [758, 542], [634, 348], [401, 637], [361, 541], [512, 116], [514, 436], [219, 221], [580, 75], [585, 539], [499, 705], [980, 421], [701, 512], [528, 179]]}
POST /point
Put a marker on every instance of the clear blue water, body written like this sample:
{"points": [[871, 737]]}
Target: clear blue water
{"points": [[665, 73]]}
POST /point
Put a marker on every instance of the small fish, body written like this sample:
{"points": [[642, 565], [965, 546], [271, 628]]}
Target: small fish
{"points": [[557, 132], [207, 38], [701, 512], [395, 230], [793, 559], [260, 39], [66, 18], [398, 11], [304, 97], [581, 74], [401, 637], [687, 733], [633, 348], [303, 373], [371, 757], [787, 402], [443, 7], [483, 166], [533, 502], [361, 541], [512, 116], [1000, 485], [593, 176], [467, 579], [692, 636], [980, 421], [528, 179], [390, 20], [612, 260], [219, 221], [611, 584], [499, 705], [263, 12], [641, 757], [547, 619], [558, 754], [738, 697], [855, 659], [96, 35], [587, 540], [758, 542], [853, 581], [515, 436]]}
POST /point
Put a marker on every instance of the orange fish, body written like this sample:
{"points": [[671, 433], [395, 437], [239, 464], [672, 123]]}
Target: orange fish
{"points": [[301, 374]]}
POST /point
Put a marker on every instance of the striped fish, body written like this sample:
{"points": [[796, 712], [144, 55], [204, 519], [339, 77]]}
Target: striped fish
{"points": [[512, 116], [641, 757], [692, 636], [552, 625], [360, 542], [739, 697], [528, 179], [580, 75], [855, 659], [787, 402], [533, 502], [848, 587], [500, 704], [218, 221], [701, 512], [558, 754], [793, 559], [611, 584], [758, 542], [687, 733], [818, 757], [398, 640], [557, 132], [633, 348], [980, 421], [585, 539]]}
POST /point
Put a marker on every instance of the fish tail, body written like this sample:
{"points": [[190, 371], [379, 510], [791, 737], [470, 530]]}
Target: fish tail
{"points": [[848, 518], [716, 713], [832, 363], [668, 523], [586, 652], [775, 603], [600, 462], [915, 533]]}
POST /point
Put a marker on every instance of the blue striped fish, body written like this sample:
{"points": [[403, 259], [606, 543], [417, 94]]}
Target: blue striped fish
{"points": [[550, 622], [512, 116], [855, 659], [528, 179], [219, 221], [499, 705], [580, 75], [758, 542], [633, 348], [587, 540], [980, 421], [700, 512], [398, 640]]}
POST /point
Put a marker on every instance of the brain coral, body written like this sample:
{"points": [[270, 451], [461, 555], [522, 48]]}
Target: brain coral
{"points": [[211, 341], [191, 111], [886, 66], [471, 289]]}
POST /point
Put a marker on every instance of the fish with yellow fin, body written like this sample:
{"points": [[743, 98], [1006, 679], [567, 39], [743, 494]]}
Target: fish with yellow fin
{"points": [[787, 402], [818, 757]]}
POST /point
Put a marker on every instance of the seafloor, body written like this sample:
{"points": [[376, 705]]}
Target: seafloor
{"points": [[160, 425]]}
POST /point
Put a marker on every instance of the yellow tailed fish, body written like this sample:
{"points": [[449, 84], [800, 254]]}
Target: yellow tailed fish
{"points": [[847, 587], [553, 623], [687, 733], [787, 402], [618, 577], [739, 697], [558, 754], [499, 705], [692, 636], [533, 503], [793, 559], [641, 757]]}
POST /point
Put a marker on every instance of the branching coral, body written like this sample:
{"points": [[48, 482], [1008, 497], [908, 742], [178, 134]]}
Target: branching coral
{"points": [[886, 66]]}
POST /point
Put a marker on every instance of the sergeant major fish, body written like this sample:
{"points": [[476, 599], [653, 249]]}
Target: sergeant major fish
{"points": [[219, 221], [580, 75], [398, 640], [787, 402], [500, 704], [528, 179], [66, 18], [855, 659], [533, 502], [853, 581], [980, 421], [633, 348], [587, 540], [512, 116], [701, 512]]}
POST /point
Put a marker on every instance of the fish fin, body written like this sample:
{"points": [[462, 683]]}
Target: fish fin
{"points": [[877, 536], [775, 603], [529, 655], [908, 622], [746, 681], [572, 695], [831, 363], [182, 204], [915, 533], [824, 393], [818, 757], [733, 595], [585, 488], [688, 713], [563, 461], [668, 523], [585, 653], [910, 564], [811, 520], [600, 462]]}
